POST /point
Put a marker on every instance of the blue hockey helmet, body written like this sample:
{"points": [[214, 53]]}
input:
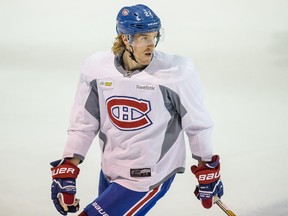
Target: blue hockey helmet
{"points": [[137, 19]]}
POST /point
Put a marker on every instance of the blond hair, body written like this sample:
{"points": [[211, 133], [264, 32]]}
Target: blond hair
{"points": [[118, 45]]}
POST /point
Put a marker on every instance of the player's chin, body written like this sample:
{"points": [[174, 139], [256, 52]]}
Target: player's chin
{"points": [[146, 58]]}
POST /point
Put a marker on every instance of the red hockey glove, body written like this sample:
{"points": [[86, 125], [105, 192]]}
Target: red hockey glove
{"points": [[210, 185], [63, 188]]}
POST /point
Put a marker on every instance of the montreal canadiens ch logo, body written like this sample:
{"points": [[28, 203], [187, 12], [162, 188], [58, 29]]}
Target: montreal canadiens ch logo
{"points": [[128, 113]]}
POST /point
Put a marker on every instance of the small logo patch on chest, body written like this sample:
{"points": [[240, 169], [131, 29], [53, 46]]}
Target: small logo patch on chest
{"points": [[106, 84]]}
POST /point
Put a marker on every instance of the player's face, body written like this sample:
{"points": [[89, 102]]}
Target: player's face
{"points": [[143, 47]]}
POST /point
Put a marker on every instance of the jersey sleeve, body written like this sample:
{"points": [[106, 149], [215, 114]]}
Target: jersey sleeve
{"points": [[84, 118], [196, 121]]}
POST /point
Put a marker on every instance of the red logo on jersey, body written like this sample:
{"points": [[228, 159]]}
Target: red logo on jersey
{"points": [[128, 113]]}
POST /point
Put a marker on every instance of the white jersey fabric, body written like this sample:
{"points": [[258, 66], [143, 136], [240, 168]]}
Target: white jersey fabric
{"points": [[141, 119]]}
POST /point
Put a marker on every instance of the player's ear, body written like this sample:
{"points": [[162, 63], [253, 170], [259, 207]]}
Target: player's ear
{"points": [[125, 39]]}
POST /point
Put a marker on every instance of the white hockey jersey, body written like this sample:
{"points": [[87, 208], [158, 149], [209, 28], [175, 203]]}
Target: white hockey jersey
{"points": [[141, 119]]}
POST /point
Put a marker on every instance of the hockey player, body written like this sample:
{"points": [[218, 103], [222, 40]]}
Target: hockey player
{"points": [[141, 103]]}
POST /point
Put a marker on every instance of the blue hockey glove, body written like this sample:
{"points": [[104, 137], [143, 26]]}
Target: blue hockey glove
{"points": [[63, 188], [210, 184]]}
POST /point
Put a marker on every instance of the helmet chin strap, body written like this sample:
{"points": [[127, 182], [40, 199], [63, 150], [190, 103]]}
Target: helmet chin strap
{"points": [[131, 54]]}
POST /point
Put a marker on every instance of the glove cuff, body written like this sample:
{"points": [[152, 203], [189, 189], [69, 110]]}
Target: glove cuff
{"points": [[208, 172], [66, 169], [208, 176]]}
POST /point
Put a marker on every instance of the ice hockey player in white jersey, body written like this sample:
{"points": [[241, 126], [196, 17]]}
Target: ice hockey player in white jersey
{"points": [[140, 103]]}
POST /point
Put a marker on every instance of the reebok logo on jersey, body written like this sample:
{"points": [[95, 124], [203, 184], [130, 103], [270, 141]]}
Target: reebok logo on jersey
{"points": [[146, 87], [127, 113]]}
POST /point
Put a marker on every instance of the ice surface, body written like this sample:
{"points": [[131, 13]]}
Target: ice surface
{"points": [[240, 49]]}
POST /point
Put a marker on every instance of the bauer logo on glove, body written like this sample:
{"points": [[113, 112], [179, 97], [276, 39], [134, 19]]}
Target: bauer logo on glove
{"points": [[208, 177]]}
